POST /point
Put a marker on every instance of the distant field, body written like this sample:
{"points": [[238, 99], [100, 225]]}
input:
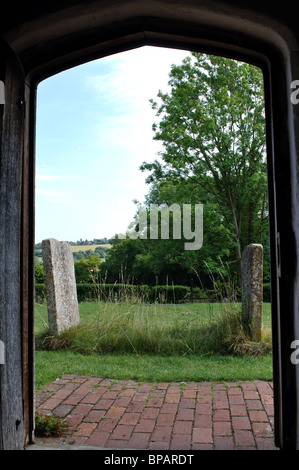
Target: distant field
{"points": [[77, 248]]}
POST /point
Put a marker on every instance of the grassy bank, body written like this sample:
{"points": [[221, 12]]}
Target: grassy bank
{"points": [[153, 342]]}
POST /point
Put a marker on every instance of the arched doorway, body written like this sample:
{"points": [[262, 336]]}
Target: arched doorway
{"points": [[50, 39]]}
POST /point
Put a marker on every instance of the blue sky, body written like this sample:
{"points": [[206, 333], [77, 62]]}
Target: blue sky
{"points": [[94, 129]]}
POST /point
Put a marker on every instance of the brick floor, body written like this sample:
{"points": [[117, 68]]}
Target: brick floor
{"points": [[116, 414]]}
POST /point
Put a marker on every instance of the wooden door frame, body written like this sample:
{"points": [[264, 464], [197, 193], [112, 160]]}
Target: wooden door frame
{"points": [[281, 159]]}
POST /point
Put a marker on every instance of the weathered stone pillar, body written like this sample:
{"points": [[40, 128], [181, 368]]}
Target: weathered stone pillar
{"points": [[252, 289], [60, 284]]}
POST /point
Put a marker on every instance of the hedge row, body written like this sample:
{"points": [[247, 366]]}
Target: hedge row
{"points": [[112, 292], [40, 292]]}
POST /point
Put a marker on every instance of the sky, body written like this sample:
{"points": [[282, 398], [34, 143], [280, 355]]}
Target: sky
{"points": [[94, 130]]}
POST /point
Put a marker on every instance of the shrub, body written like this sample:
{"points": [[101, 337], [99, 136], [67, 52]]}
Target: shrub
{"points": [[49, 425], [39, 273], [111, 292], [139, 328], [168, 294], [107, 292], [226, 335], [40, 292], [267, 292], [88, 292]]}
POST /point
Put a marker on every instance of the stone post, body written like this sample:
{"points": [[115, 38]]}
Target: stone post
{"points": [[60, 285], [252, 289]]}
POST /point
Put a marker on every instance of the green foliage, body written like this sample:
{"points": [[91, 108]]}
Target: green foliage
{"points": [[87, 270], [168, 294], [119, 267], [123, 292], [99, 252], [39, 274], [98, 322], [49, 425], [212, 126], [138, 328], [107, 292], [40, 292], [152, 367], [267, 292]]}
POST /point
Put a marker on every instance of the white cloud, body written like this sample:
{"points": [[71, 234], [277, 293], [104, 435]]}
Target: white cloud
{"points": [[124, 129], [55, 196], [40, 177], [114, 133], [135, 78], [48, 176]]}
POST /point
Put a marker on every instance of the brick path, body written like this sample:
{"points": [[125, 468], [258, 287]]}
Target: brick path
{"points": [[119, 414]]}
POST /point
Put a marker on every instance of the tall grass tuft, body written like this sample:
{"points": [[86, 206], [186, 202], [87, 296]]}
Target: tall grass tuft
{"points": [[128, 324], [138, 328]]}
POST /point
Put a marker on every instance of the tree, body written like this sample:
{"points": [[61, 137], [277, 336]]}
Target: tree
{"points": [[165, 261], [87, 270], [119, 265], [212, 127], [217, 243], [39, 273]]}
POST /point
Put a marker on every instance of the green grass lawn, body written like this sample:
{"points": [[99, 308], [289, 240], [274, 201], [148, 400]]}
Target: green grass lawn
{"points": [[147, 342]]}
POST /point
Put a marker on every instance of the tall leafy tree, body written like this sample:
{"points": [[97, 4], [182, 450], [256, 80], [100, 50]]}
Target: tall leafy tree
{"points": [[212, 126], [217, 243]]}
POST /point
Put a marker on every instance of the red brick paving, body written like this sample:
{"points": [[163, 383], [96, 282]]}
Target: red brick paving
{"points": [[124, 414]]}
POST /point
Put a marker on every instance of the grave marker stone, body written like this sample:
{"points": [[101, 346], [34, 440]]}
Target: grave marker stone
{"points": [[252, 289], [60, 285]]}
